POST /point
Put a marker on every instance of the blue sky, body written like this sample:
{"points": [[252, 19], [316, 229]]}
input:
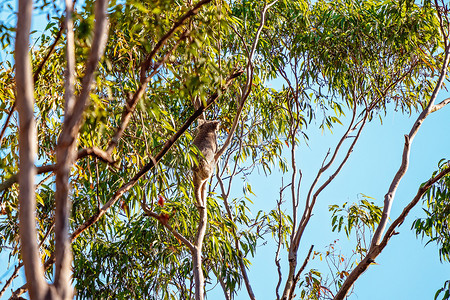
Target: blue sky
{"points": [[406, 269]]}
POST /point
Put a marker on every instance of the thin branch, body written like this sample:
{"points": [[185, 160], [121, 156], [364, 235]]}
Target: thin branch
{"points": [[50, 51], [11, 111], [9, 281], [324, 166], [422, 190]]}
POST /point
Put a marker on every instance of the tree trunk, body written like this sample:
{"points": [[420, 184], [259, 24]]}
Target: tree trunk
{"points": [[38, 288]]}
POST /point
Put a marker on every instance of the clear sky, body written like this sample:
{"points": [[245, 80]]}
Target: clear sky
{"points": [[406, 269]]}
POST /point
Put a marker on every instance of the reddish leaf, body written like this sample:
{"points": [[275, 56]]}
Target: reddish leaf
{"points": [[160, 200]]}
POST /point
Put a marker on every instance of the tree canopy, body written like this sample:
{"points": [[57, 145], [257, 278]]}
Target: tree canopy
{"points": [[111, 96]]}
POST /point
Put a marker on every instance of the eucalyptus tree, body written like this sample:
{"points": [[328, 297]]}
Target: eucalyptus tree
{"points": [[115, 115]]}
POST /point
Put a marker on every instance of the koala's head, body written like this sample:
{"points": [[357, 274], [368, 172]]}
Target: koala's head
{"points": [[208, 126]]}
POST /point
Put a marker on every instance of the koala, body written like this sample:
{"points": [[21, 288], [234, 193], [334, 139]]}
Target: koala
{"points": [[206, 141]]}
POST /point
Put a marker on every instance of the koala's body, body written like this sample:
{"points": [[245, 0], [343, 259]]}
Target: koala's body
{"points": [[206, 141]]}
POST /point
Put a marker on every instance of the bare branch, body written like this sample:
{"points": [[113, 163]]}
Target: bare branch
{"points": [[333, 157], [50, 51], [94, 152]]}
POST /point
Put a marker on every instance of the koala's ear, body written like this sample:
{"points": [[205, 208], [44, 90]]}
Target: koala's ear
{"points": [[216, 124], [200, 122]]}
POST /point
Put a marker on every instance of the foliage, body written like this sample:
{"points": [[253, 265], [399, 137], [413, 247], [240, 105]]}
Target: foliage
{"points": [[436, 224], [362, 217], [446, 289]]}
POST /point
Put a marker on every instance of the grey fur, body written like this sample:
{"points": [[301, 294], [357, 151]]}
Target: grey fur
{"points": [[206, 141]]}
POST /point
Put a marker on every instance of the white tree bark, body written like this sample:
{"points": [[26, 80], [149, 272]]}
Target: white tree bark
{"points": [[34, 272]]}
